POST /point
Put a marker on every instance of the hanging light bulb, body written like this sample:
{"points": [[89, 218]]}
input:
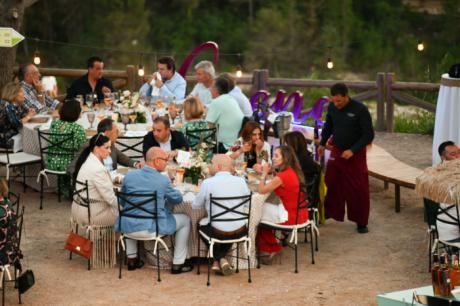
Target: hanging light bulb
{"points": [[330, 63], [37, 59], [239, 72], [420, 46], [140, 71]]}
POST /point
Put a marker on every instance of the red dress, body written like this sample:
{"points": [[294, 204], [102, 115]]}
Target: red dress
{"points": [[288, 193]]}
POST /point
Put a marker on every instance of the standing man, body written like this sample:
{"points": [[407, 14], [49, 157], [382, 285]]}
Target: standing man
{"points": [[205, 74], [35, 96], [93, 81], [171, 84], [349, 124]]}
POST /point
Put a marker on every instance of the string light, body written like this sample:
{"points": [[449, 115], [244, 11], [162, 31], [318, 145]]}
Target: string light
{"points": [[37, 59], [239, 72], [330, 63], [420, 46], [140, 70]]}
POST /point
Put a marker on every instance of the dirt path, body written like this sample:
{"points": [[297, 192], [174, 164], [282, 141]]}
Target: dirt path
{"points": [[350, 269]]}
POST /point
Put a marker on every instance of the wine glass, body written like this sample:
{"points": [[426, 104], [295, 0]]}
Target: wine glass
{"points": [[91, 116], [125, 119], [132, 117], [115, 97], [172, 170], [89, 100], [108, 100]]}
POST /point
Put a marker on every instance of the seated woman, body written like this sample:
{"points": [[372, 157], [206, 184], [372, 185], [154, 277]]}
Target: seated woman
{"points": [[12, 113], [59, 158], [251, 147], [298, 143], [103, 202], [193, 114], [286, 186], [90, 167]]}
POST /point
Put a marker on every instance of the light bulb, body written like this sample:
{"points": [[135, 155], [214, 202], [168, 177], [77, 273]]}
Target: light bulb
{"points": [[141, 71], [239, 73], [420, 46], [330, 64], [37, 59]]}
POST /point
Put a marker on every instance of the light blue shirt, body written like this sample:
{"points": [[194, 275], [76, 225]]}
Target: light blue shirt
{"points": [[234, 187], [108, 163], [174, 87], [243, 101]]}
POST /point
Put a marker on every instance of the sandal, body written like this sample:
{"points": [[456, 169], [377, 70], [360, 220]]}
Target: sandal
{"points": [[225, 267], [178, 269]]}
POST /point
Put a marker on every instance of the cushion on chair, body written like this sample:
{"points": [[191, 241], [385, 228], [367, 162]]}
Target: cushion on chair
{"points": [[19, 158], [285, 227]]}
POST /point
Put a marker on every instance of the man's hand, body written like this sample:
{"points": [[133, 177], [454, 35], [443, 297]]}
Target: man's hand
{"points": [[265, 169], [321, 150], [172, 154], [105, 90], [38, 86], [31, 112], [158, 83], [138, 165], [347, 154]]}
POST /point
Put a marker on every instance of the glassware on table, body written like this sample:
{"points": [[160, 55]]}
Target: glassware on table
{"points": [[125, 119], [172, 170], [188, 181], [180, 176], [108, 100], [132, 117], [91, 116], [115, 117], [89, 100], [115, 97]]}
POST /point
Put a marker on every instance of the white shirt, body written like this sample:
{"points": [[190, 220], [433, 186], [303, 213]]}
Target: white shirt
{"points": [[166, 145], [234, 186], [203, 93], [243, 101]]}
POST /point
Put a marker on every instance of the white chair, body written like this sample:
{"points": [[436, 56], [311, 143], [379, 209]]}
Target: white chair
{"points": [[17, 160]]}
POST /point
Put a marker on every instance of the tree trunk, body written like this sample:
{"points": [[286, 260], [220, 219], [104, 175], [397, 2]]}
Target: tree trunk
{"points": [[11, 16]]}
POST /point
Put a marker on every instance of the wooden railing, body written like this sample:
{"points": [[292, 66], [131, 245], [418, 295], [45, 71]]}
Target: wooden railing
{"points": [[385, 90]]}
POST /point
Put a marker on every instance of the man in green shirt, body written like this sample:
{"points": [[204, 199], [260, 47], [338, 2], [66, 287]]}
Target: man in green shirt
{"points": [[224, 113]]}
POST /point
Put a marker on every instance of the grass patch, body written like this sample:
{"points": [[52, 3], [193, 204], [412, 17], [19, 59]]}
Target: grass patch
{"points": [[420, 122]]}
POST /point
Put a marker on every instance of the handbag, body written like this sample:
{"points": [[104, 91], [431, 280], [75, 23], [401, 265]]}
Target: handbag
{"points": [[79, 245], [25, 281]]}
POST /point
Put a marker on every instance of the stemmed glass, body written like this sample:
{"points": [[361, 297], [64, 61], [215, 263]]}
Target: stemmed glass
{"points": [[91, 116], [89, 100], [172, 170], [132, 117], [108, 101], [125, 119]]}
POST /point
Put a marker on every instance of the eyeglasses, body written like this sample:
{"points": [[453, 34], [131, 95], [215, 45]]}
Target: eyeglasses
{"points": [[162, 158]]}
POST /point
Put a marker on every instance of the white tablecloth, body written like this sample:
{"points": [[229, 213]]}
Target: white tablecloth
{"points": [[447, 122]]}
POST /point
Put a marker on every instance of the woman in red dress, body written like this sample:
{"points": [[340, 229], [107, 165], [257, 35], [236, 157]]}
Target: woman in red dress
{"points": [[286, 186]]}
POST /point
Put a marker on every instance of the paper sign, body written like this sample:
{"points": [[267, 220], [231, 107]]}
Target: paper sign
{"points": [[9, 37], [183, 157]]}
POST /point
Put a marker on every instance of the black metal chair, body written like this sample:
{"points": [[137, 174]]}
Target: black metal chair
{"points": [[302, 204], [313, 203], [207, 136], [80, 197], [450, 215], [240, 214], [17, 160], [52, 145], [431, 212], [131, 146], [136, 206]]}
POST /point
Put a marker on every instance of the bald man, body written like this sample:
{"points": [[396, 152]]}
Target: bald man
{"points": [[148, 180], [222, 168]]}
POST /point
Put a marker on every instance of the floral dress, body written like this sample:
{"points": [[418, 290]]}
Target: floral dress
{"points": [[10, 121], [61, 162], [192, 126], [9, 243]]}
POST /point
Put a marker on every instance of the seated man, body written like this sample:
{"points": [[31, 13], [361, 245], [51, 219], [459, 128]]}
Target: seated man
{"points": [[109, 129], [35, 96], [172, 84], [225, 113], [239, 96], [148, 180], [162, 136], [447, 222], [205, 74], [222, 166], [93, 81]]}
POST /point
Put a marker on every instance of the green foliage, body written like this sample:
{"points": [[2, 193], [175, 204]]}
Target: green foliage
{"points": [[421, 122]]}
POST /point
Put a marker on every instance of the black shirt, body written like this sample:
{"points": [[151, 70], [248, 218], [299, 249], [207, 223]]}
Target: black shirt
{"points": [[81, 86], [350, 127]]}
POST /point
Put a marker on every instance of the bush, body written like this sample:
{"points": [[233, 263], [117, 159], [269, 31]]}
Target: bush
{"points": [[420, 122]]}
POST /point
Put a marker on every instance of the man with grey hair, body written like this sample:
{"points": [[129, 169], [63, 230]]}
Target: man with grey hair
{"points": [[205, 74]]}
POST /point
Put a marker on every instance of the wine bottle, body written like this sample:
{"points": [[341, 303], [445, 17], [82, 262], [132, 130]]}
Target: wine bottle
{"points": [[434, 275], [454, 273]]}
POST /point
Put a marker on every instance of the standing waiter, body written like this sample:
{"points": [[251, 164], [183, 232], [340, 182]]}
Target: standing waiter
{"points": [[348, 129]]}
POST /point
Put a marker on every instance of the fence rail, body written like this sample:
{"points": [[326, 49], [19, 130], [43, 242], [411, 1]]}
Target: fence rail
{"points": [[385, 89]]}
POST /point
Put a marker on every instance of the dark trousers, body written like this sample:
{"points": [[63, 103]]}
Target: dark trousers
{"points": [[221, 250]]}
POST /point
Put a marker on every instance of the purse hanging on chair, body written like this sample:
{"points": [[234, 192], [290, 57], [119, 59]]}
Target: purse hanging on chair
{"points": [[79, 245], [25, 281]]}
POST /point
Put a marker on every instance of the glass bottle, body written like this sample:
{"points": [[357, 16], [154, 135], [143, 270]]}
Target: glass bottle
{"points": [[434, 275], [454, 273]]}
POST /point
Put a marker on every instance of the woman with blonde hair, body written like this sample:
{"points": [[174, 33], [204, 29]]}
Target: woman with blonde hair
{"points": [[12, 113], [193, 114]]}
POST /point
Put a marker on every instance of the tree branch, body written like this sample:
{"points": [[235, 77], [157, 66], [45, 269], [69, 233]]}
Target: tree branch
{"points": [[28, 3]]}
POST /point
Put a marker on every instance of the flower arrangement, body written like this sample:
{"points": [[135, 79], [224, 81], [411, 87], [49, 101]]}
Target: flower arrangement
{"points": [[196, 167], [130, 103]]}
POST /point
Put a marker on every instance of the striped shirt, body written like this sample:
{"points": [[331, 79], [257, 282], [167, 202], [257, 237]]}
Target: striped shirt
{"points": [[31, 99]]}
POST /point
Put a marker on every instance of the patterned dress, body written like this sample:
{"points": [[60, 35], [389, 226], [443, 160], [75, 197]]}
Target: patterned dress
{"points": [[192, 126], [60, 162], [10, 121], [9, 243]]}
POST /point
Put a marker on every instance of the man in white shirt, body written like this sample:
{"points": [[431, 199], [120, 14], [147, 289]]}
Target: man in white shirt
{"points": [[239, 96], [222, 166], [171, 84], [205, 74]]}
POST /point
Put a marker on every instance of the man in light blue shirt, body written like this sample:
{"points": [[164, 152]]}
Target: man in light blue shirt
{"points": [[171, 84], [225, 113]]}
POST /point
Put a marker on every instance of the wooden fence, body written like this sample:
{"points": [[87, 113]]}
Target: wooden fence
{"points": [[385, 89]]}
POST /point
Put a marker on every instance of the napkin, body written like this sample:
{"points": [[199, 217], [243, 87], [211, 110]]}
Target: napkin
{"points": [[135, 133], [183, 157]]}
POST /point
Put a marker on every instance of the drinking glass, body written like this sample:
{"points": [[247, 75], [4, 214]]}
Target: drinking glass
{"points": [[115, 97], [125, 120], [132, 117], [91, 116], [154, 115], [108, 100], [172, 170], [89, 100]]}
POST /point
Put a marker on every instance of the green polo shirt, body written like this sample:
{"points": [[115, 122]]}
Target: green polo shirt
{"points": [[225, 113]]}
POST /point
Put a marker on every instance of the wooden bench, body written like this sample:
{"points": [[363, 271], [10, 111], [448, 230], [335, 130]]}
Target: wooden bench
{"points": [[384, 166]]}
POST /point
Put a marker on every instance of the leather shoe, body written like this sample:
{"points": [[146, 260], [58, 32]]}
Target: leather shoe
{"points": [[178, 269], [134, 264], [362, 229]]}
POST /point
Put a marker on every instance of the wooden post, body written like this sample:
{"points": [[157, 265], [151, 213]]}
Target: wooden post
{"points": [[259, 80], [132, 82], [380, 101], [389, 101]]}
